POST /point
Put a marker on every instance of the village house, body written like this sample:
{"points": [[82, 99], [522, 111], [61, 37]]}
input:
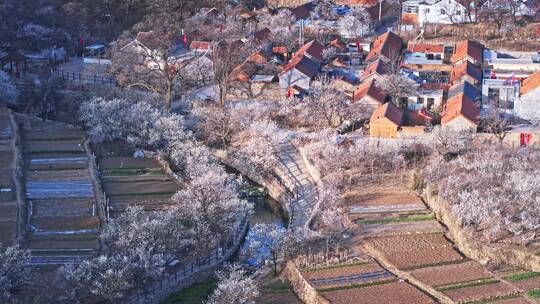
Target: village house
{"points": [[466, 89], [461, 113], [466, 71], [429, 99], [471, 51], [385, 121], [298, 74], [200, 46], [147, 49], [387, 47], [312, 50], [369, 96], [527, 106], [375, 71], [421, 12], [520, 65], [344, 81], [424, 54]]}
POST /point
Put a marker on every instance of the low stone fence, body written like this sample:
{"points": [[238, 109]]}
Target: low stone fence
{"points": [[17, 175], [185, 275], [101, 206]]}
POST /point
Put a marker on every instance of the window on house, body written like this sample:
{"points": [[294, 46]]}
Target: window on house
{"points": [[420, 100], [426, 10], [443, 12], [458, 12], [430, 102], [493, 96]]}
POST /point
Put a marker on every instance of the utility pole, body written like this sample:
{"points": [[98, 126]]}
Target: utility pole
{"points": [[380, 10]]}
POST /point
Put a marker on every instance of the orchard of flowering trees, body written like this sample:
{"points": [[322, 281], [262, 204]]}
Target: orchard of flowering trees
{"points": [[138, 245], [496, 190], [14, 271]]}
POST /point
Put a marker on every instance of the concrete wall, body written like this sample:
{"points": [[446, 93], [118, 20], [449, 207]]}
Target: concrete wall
{"points": [[528, 106], [433, 13]]}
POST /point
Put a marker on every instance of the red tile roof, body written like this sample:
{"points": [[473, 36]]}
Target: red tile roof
{"points": [[378, 66], [199, 45], [262, 34], [468, 48], [460, 105], [388, 45], [389, 111], [425, 48], [369, 89], [338, 44], [530, 83], [418, 118], [466, 68], [313, 48]]}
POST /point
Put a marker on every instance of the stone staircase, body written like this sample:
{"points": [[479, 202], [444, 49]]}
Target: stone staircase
{"points": [[299, 182]]}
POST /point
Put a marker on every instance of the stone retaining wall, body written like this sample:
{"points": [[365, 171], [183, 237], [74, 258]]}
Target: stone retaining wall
{"points": [[465, 239], [307, 293]]}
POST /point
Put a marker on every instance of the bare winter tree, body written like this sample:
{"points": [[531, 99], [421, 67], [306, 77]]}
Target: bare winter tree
{"points": [[155, 63], [274, 240], [326, 104], [8, 91], [356, 24], [497, 124], [398, 87], [234, 286], [447, 140], [283, 30]]}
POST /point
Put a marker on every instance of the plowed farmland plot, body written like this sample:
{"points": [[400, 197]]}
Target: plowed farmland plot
{"points": [[482, 292], [450, 274], [8, 203], [344, 275], [524, 280], [129, 181], [395, 293], [62, 208], [416, 251]]}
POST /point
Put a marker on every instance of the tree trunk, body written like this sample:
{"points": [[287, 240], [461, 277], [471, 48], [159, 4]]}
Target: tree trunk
{"points": [[169, 94]]}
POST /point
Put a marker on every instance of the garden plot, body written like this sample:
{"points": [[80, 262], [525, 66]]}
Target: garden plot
{"points": [[55, 146], [394, 292], [347, 275], [60, 193], [451, 274], [129, 181], [388, 195], [416, 251], [8, 200], [524, 280], [479, 290], [58, 161], [50, 208]]}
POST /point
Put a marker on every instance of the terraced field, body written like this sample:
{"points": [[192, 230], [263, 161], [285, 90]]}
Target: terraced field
{"points": [[62, 216], [129, 181], [8, 199], [401, 233]]}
